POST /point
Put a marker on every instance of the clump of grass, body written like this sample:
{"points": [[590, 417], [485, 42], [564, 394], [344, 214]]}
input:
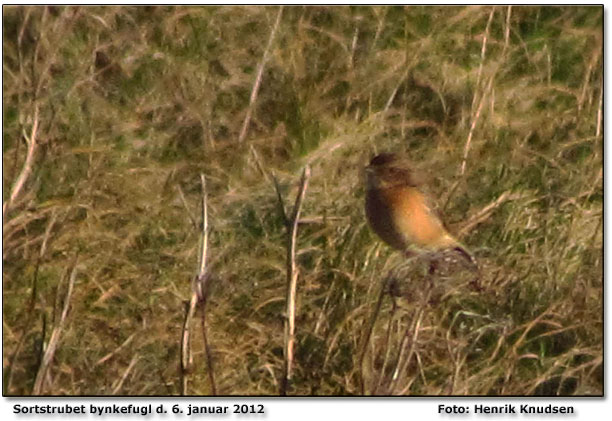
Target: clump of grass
{"points": [[131, 104]]}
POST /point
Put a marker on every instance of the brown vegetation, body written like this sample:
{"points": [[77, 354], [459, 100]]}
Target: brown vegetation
{"points": [[112, 113]]}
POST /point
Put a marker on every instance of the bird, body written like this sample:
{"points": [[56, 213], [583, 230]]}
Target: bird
{"points": [[399, 211]]}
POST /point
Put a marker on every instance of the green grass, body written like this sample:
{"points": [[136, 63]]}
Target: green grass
{"points": [[135, 102]]}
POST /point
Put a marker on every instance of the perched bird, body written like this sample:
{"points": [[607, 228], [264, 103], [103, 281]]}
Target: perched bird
{"points": [[400, 213]]}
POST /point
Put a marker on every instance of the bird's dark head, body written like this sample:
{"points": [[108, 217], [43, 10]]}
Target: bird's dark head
{"points": [[389, 170], [383, 159]]}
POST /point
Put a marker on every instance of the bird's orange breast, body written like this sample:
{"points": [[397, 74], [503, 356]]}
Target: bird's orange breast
{"points": [[401, 217]]}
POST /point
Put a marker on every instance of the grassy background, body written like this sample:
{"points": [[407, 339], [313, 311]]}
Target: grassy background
{"points": [[134, 102]]}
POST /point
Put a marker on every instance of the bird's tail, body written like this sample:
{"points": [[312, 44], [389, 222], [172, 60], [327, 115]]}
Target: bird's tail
{"points": [[467, 256]]}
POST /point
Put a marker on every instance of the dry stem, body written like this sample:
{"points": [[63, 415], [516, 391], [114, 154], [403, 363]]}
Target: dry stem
{"points": [[27, 165], [41, 375], [260, 69], [199, 294], [292, 274]]}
